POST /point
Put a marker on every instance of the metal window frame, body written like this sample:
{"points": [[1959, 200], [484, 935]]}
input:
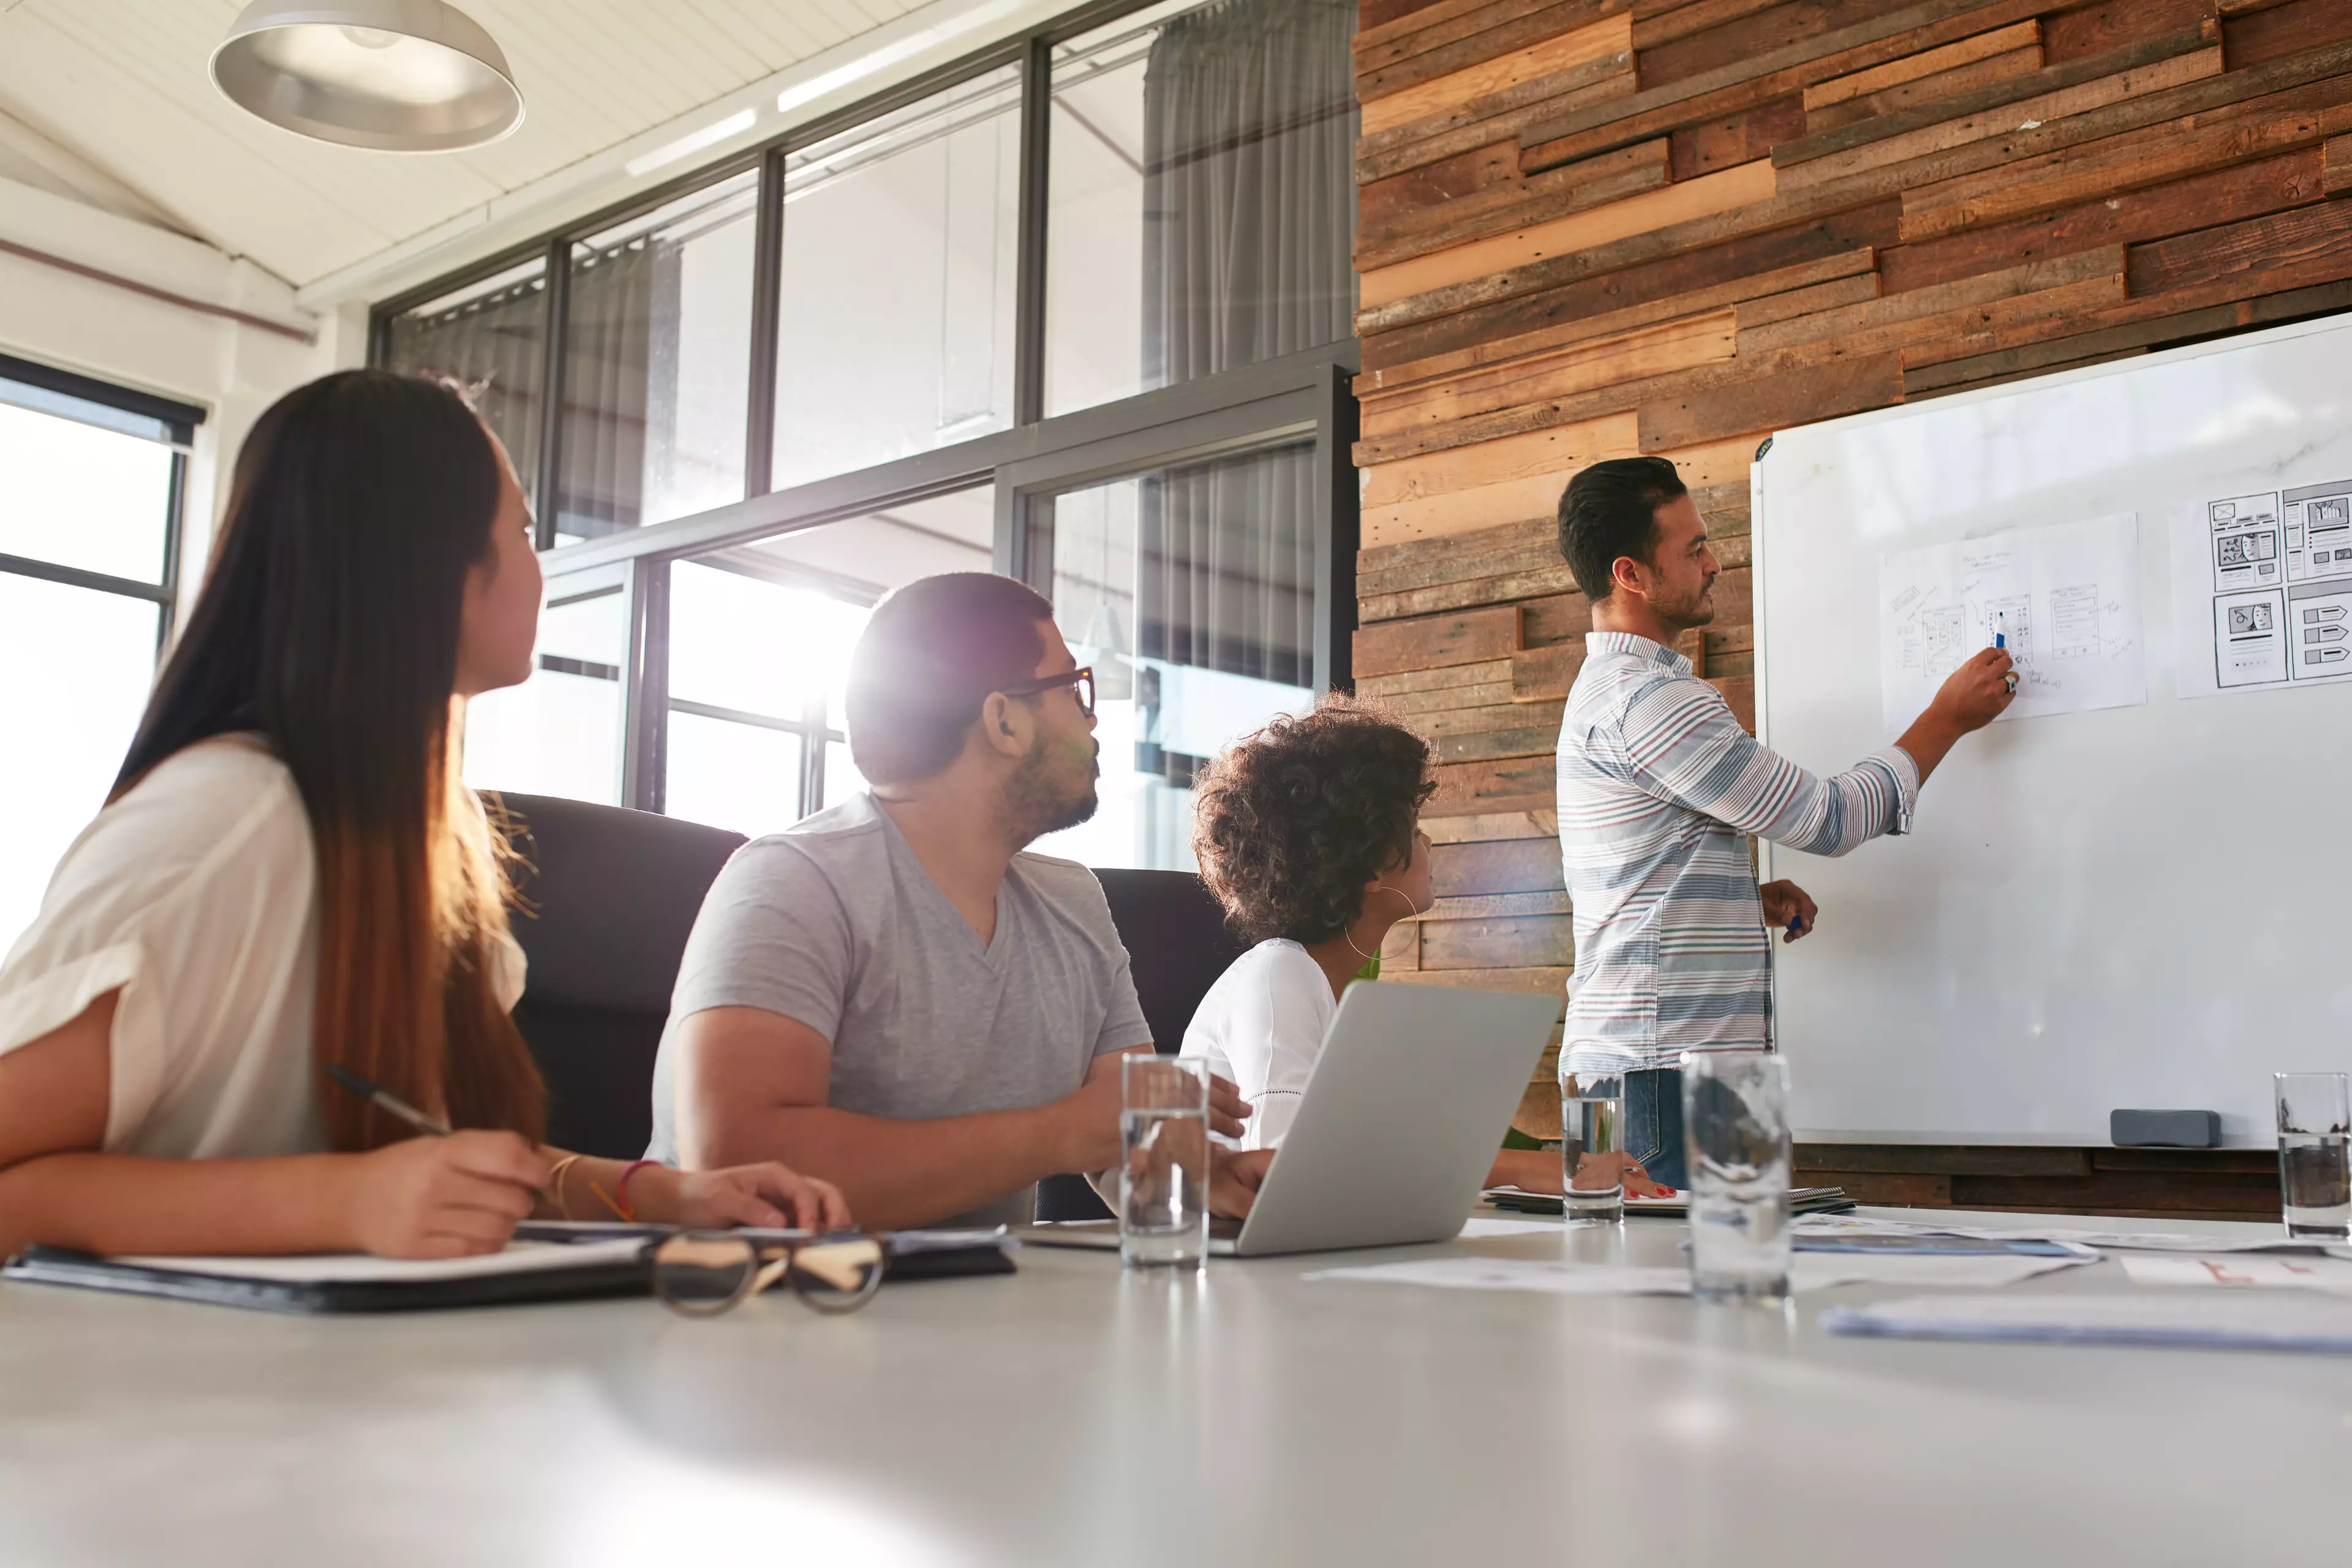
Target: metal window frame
{"points": [[1277, 400], [1273, 400], [180, 419]]}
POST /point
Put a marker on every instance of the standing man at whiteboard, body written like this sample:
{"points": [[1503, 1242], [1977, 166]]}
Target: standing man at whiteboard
{"points": [[1660, 790]]}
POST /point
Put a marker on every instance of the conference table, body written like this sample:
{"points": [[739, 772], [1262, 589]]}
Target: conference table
{"points": [[1078, 1413]]}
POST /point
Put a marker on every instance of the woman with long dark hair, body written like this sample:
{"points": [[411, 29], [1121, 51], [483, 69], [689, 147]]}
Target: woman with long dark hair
{"points": [[290, 875]]}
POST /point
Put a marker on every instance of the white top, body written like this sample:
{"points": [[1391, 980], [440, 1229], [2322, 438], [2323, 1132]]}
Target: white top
{"points": [[1262, 1025], [196, 895]]}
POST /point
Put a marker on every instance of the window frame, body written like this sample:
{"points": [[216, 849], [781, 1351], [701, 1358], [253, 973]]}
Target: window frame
{"points": [[181, 420], [1308, 391]]}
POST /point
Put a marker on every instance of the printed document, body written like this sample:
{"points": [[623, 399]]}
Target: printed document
{"points": [[2261, 589], [2065, 599]]}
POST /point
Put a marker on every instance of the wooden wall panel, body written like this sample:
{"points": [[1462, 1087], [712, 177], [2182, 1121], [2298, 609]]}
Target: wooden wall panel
{"points": [[1596, 227]]}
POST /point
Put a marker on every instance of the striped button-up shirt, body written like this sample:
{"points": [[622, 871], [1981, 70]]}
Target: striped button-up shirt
{"points": [[1659, 791]]}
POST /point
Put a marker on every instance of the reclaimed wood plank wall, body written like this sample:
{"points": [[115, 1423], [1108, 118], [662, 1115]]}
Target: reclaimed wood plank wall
{"points": [[1591, 228]]}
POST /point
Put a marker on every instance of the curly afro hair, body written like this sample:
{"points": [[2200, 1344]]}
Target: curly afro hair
{"points": [[1292, 822]]}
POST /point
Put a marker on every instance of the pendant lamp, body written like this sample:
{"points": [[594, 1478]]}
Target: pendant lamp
{"points": [[398, 75]]}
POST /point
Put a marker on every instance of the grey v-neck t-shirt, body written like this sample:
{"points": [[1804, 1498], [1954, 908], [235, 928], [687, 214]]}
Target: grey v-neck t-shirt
{"points": [[835, 923]]}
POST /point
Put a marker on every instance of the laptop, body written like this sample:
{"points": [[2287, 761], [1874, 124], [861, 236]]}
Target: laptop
{"points": [[1400, 1123]]}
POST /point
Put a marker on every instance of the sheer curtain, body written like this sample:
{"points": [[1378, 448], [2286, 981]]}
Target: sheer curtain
{"points": [[622, 313], [1249, 196], [1226, 565], [495, 346], [1249, 216]]}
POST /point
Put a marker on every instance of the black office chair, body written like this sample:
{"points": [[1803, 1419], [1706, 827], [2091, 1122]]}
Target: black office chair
{"points": [[1177, 944], [614, 894]]}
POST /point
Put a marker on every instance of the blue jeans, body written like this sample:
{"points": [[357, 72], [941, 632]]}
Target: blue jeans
{"points": [[1653, 1124]]}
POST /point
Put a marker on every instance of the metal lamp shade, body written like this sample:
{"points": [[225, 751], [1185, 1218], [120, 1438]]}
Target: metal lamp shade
{"points": [[401, 76]]}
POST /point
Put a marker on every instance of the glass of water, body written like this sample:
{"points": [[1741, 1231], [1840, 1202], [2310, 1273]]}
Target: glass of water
{"points": [[1163, 1180], [1735, 1127], [1592, 1147], [2315, 1183]]}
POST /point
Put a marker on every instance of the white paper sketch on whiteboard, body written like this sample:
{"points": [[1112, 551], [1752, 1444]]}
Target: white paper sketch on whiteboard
{"points": [[2074, 621], [2066, 598], [2263, 589]]}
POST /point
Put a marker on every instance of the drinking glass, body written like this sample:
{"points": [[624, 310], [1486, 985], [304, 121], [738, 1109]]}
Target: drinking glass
{"points": [[1592, 1147], [2315, 1183], [1736, 1128], [1163, 1180]]}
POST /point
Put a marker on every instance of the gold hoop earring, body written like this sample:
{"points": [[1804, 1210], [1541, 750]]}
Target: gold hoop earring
{"points": [[1349, 936]]}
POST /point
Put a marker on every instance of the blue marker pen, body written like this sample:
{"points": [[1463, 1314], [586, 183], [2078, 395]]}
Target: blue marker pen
{"points": [[2000, 629]]}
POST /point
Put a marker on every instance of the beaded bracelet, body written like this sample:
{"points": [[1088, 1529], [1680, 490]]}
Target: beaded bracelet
{"points": [[619, 1200]]}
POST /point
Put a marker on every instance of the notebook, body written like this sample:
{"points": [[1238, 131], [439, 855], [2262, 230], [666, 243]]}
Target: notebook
{"points": [[354, 1282], [547, 1262]]}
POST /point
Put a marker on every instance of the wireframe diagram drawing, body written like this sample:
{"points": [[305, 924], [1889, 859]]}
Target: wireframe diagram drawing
{"points": [[2066, 598], [2262, 588]]}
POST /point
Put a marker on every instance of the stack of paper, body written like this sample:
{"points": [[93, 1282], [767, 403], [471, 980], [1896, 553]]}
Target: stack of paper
{"points": [[2290, 1320]]}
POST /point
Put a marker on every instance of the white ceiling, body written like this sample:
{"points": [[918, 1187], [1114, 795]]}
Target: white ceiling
{"points": [[120, 87]]}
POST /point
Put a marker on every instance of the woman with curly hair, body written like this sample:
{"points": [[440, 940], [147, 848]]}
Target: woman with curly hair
{"points": [[1308, 832]]}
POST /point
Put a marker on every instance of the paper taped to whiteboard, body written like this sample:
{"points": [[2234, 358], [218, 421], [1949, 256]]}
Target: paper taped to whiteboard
{"points": [[2065, 597], [2262, 588]]}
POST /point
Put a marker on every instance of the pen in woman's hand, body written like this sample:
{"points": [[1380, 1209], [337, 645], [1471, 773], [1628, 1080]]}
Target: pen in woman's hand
{"points": [[387, 1101]]}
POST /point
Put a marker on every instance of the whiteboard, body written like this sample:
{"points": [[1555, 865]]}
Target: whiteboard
{"points": [[2145, 906]]}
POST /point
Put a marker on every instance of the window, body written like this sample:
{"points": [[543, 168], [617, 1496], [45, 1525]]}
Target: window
{"points": [[657, 365], [759, 654], [489, 336], [89, 503], [1078, 308], [1191, 591], [894, 332], [1203, 209], [559, 733]]}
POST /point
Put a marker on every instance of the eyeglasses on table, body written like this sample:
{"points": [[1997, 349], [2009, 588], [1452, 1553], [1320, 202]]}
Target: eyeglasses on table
{"points": [[703, 1273]]}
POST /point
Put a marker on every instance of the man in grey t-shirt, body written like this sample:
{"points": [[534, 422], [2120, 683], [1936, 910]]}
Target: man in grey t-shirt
{"points": [[893, 994]]}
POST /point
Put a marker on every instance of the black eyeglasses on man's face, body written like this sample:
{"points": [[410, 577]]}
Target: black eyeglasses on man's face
{"points": [[1082, 682]]}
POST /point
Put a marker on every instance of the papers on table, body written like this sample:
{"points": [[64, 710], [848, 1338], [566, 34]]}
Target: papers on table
{"points": [[1518, 1273], [2138, 1241], [2289, 1320], [1872, 1243], [1479, 1227], [1810, 1271], [1826, 1270], [2240, 1271]]}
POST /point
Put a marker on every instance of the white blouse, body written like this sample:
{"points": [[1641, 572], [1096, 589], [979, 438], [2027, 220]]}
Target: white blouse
{"points": [[1262, 1025], [196, 895]]}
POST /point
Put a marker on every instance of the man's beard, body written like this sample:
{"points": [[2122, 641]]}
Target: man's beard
{"points": [[1037, 802], [1695, 611]]}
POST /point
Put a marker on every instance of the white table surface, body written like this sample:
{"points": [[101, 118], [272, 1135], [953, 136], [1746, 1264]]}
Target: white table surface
{"points": [[1076, 1415]]}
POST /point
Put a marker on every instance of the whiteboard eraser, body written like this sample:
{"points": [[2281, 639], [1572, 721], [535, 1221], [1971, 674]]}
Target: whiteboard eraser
{"points": [[2165, 1129]]}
